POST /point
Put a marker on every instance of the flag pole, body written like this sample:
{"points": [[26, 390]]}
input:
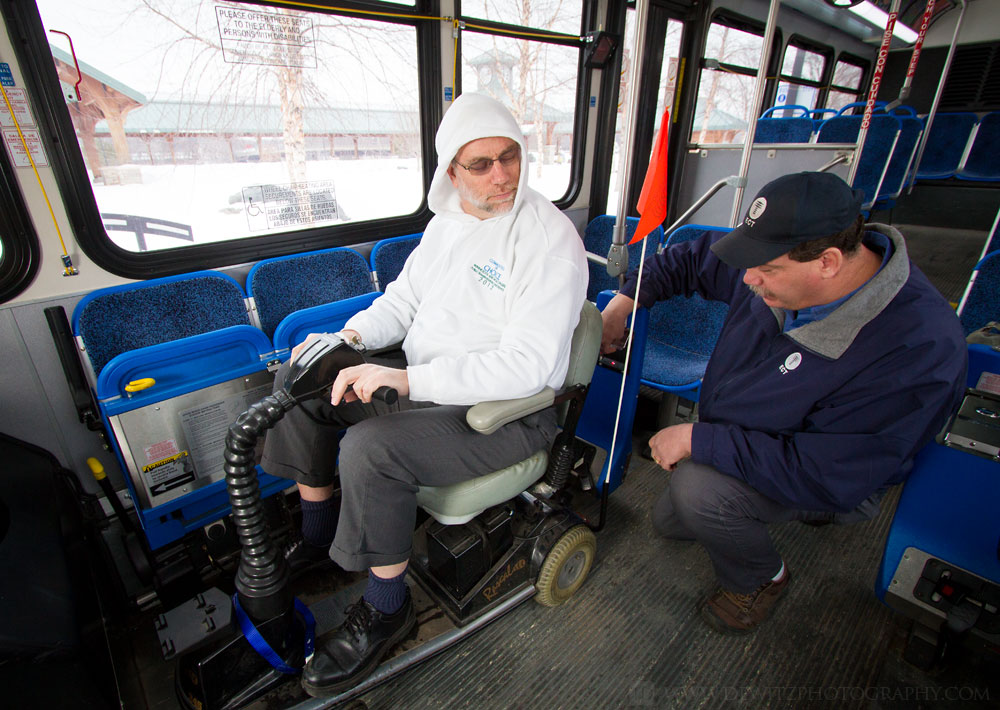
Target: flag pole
{"points": [[618, 254]]}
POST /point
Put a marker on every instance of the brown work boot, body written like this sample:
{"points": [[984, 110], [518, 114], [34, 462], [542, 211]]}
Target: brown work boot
{"points": [[733, 613]]}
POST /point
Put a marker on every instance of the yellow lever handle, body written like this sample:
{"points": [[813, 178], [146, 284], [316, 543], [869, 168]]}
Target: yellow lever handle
{"points": [[96, 468], [139, 385]]}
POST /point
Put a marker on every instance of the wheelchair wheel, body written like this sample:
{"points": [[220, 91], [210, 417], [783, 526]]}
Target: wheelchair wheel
{"points": [[566, 566]]}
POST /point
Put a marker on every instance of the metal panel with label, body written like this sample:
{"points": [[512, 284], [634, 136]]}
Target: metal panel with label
{"points": [[176, 446]]}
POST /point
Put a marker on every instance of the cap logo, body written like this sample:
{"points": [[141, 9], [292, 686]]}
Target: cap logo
{"points": [[757, 208]]}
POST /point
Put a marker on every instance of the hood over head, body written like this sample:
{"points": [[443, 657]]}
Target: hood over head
{"points": [[471, 116]]}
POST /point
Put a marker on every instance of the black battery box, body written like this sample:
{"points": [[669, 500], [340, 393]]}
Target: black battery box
{"points": [[460, 555]]}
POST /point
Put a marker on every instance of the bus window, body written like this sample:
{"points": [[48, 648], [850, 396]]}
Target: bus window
{"points": [[535, 78], [553, 15], [802, 73], [725, 95], [664, 96], [203, 122], [845, 87]]}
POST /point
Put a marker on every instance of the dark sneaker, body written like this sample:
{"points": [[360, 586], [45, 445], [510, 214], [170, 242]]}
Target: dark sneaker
{"points": [[349, 653], [734, 613], [302, 557]]}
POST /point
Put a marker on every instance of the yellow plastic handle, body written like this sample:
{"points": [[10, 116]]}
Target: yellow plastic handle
{"points": [[96, 468], [140, 385]]}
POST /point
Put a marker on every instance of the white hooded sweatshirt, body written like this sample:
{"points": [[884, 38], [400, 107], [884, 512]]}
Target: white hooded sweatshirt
{"points": [[485, 307]]}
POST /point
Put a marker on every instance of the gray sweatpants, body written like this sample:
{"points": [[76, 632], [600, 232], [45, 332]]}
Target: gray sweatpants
{"points": [[386, 452], [729, 518]]}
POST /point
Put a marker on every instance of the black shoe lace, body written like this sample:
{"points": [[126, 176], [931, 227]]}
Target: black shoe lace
{"points": [[358, 619]]}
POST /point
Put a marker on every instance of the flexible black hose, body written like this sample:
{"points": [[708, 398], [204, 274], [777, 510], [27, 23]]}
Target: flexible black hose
{"points": [[262, 579]]}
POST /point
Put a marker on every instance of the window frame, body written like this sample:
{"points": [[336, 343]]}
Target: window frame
{"points": [[750, 26], [807, 45], [847, 58], [583, 79], [39, 75], [21, 250]]}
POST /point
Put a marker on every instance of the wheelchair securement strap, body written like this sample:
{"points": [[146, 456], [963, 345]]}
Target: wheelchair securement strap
{"points": [[263, 648]]}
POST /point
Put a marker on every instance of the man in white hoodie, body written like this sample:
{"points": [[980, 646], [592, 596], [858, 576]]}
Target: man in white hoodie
{"points": [[485, 308]]}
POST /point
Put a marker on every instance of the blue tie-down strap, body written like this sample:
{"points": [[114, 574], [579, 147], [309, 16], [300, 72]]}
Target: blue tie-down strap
{"points": [[263, 648]]}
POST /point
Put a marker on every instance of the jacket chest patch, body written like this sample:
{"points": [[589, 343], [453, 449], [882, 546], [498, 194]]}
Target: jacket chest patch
{"points": [[491, 274], [791, 362]]}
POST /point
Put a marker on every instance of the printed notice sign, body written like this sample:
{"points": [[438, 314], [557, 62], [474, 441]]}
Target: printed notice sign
{"points": [[206, 426], [15, 147], [270, 38], [19, 102], [297, 203], [6, 78]]}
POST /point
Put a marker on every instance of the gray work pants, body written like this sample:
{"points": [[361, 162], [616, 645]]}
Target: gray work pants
{"points": [[386, 451], [729, 518]]}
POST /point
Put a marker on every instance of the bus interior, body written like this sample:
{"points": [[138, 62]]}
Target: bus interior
{"points": [[191, 188]]}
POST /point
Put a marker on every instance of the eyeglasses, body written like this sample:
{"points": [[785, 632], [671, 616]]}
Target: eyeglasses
{"points": [[481, 166]]}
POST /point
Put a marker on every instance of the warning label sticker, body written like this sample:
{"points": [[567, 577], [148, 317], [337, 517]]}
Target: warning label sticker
{"points": [[161, 450], [167, 474], [268, 38], [297, 203]]}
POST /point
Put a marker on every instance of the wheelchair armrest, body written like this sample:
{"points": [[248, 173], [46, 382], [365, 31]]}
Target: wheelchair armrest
{"points": [[487, 417]]}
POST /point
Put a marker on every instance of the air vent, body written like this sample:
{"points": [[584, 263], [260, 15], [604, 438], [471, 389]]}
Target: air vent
{"points": [[974, 79]]}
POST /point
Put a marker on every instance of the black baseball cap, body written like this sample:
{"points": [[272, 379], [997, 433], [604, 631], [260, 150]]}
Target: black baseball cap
{"points": [[787, 211]]}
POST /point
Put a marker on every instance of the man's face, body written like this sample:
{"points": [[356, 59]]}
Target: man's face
{"points": [[784, 283], [492, 192]]}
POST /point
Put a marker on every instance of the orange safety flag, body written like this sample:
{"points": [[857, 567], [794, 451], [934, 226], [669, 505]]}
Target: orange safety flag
{"points": [[653, 198]]}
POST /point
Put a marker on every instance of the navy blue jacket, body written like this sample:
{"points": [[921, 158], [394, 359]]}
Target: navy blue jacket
{"points": [[822, 416]]}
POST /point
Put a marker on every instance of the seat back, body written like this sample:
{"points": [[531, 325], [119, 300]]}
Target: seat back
{"points": [[388, 257], [460, 502], [981, 163], [683, 331], [901, 161], [789, 128], [945, 144], [981, 303], [819, 115], [597, 239], [115, 320], [879, 144], [281, 286]]}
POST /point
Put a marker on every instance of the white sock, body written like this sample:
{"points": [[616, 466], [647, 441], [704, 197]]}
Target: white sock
{"points": [[781, 573]]}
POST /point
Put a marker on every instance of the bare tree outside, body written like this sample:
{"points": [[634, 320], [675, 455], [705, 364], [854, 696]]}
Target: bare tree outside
{"points": [[534, 79], [327, 99]]}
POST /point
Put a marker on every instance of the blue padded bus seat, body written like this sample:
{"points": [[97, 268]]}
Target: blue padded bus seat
{"points": [[784, 129], [993, 241], [983, 160], [798, 129], [683, 331], [902, 159], [286, 284], [118, 319], [945, 145], [819, 115], [981, 303], [597, 240], [388, 257], [882, 132]]}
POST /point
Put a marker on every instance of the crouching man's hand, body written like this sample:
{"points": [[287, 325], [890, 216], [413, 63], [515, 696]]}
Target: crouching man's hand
{"points": [[671, 445]]}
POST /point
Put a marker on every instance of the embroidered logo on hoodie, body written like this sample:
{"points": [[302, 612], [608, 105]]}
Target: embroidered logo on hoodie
{"points": [[491, 274]]}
